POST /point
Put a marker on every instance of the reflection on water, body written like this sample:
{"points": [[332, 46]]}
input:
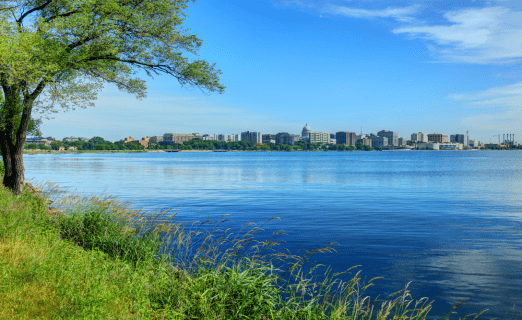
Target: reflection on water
{"points": [[448, 221]]}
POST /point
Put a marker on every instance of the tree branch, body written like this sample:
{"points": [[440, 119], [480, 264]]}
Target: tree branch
{"points": [[19, 21], [80, 42], [164, 68], [61, 15]]}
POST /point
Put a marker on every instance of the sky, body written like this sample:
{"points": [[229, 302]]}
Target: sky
{"points": [[338, 65]]}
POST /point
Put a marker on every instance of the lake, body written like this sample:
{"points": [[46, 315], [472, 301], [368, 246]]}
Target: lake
{"points": [[449, 221]]}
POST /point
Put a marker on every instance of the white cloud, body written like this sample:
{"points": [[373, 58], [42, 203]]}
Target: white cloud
{"points": [[478, 35], [501, 108], [401, 14]]}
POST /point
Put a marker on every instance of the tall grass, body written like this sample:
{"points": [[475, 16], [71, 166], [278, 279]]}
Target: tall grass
{"points": [[97, 257]]}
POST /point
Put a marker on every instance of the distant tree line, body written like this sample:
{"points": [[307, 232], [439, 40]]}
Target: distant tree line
{"points": [[98, 143], [497, 147], [197, 144]]}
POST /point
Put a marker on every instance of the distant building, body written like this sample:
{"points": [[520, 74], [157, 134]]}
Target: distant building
{"points": [[73, 139], [365, 141], [319, 137], [378, 141], [459, 138], [156, 139], [393, 137], [451, 146], [173, 138], [429, 145], [39, 140], [419, 137], [401, 142], [285, 137], [252, 136], [346, 138], [269, 138], [438, 137], [305, 134], [144, 143], [129, 139]]}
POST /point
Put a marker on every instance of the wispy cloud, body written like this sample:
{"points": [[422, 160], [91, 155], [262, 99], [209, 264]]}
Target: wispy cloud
{"points": [[501, 108], [477, 35], [398, 13]]}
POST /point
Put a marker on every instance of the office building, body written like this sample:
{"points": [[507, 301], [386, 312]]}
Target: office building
{"points": [[346, 138], [392, 136], [378, 141], [438, 137], [269, 138], [459, 138]]}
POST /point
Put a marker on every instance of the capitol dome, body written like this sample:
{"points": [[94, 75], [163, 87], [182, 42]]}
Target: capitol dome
{"points": [[305, 134]]}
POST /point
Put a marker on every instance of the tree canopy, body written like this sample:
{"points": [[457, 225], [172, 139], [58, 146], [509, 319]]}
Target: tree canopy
{"points": [[59, 54]]}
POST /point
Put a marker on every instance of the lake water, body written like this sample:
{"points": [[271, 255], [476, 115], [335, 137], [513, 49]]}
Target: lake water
{"points": [[450, 222]]}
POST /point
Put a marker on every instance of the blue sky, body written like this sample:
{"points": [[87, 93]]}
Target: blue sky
{"points": [[407, 66]]}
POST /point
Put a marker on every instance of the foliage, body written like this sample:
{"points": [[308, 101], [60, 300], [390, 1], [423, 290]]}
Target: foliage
{"points": [[58, 54], [99, 258]]}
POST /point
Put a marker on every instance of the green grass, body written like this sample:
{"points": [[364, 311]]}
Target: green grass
{"points": [[98, 258]]}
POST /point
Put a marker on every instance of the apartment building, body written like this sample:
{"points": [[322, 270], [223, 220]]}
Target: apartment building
{"points": [[319, 137], [252, 136]]}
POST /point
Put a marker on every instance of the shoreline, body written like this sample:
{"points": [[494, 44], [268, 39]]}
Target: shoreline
{"points": [[31, 152]]}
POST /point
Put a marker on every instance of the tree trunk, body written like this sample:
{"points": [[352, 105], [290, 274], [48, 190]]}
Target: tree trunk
{"points": [[14, 171], [12, 141]]}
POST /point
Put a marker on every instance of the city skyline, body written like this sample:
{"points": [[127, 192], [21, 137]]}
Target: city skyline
{"points": [[411, 66]]}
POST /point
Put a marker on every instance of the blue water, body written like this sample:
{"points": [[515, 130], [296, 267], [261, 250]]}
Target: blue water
{"points": [[450, 222]]}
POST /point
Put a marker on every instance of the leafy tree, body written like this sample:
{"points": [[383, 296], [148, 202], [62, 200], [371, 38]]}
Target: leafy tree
{"points": [[60, 53], [31, 146], [55, 145]]}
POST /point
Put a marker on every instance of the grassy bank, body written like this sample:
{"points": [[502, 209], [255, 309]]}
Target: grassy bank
{"points": [[98, 258]]}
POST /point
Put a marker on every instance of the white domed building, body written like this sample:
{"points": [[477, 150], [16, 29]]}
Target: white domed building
{"points": [[305, 134]]}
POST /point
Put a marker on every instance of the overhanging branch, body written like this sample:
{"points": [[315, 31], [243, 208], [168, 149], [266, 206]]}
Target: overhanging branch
{"points": [[45, 4]]}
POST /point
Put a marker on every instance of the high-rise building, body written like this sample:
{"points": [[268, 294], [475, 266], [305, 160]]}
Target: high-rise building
{"points": [[346, 138], [459, 138], [419, 137], [393, 137], [438, 137], [251, 136]]}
